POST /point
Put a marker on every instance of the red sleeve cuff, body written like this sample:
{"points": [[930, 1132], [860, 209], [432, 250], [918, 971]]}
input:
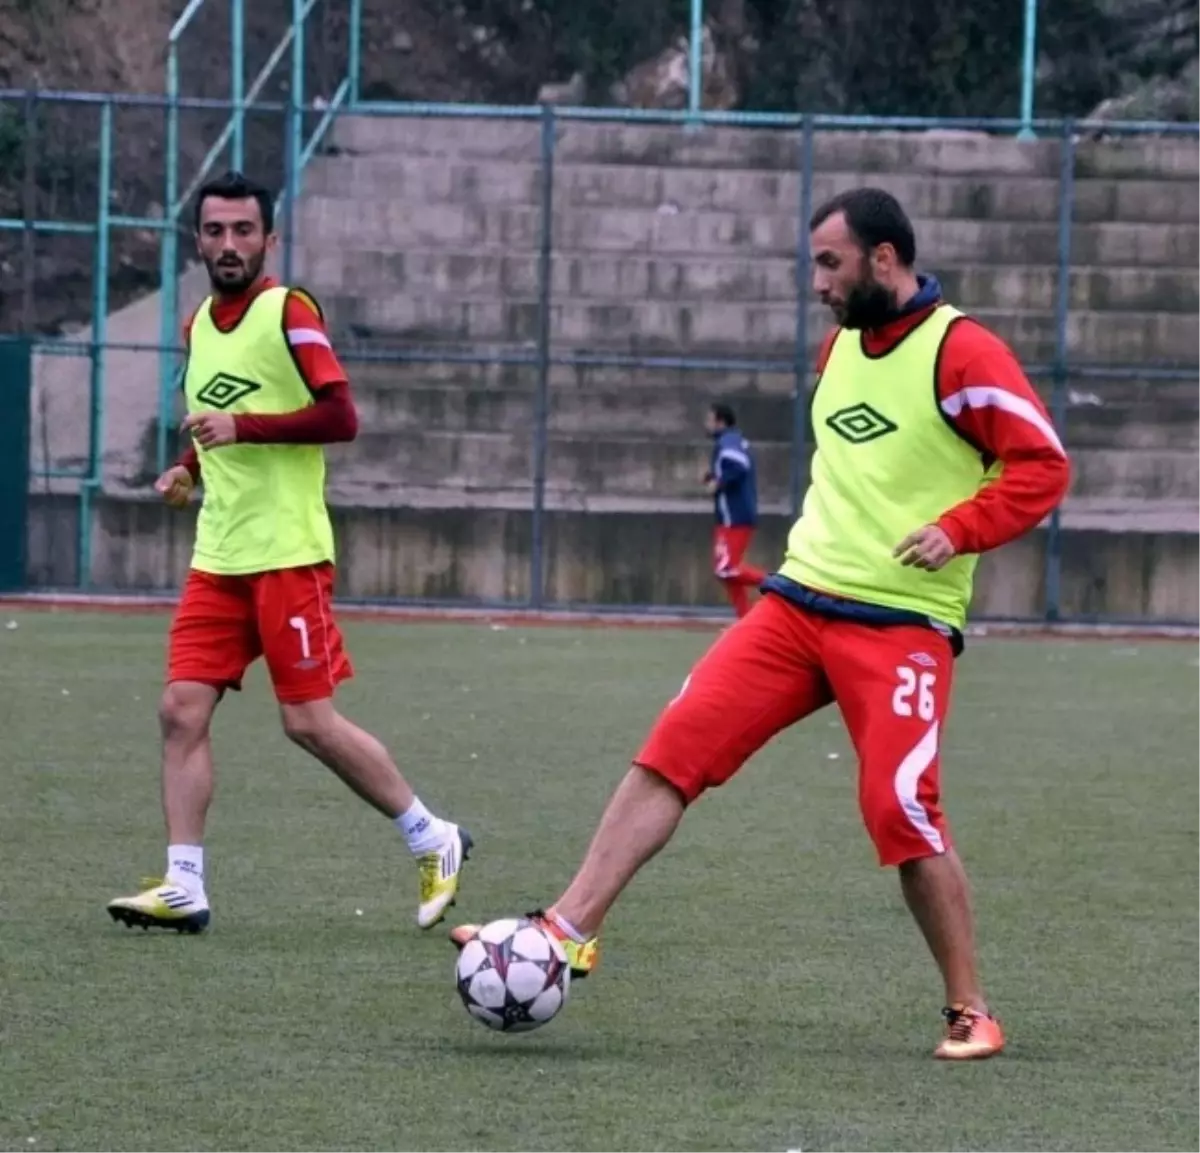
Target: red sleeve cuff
{"points": [[954, 531], [190, 460]]}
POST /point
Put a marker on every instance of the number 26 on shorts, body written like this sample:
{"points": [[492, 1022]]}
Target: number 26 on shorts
{"points": [[914, 693]]}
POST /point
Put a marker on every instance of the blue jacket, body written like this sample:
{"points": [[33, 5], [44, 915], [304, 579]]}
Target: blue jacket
{"points": [[736, 498]]}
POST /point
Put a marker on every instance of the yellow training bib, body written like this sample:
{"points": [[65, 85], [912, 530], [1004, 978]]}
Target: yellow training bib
{"points": [[264, 504]]}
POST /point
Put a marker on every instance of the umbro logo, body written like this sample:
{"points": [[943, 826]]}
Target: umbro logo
{"points": [[922, 659], [225, 390], [860, 423]]}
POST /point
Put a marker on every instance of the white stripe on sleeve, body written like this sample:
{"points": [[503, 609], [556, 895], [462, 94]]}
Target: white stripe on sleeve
{"points": [[987, 396], [298, 336]]}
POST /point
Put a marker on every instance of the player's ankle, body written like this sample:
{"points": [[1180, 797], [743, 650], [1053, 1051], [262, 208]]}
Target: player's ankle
{"points": [[975, 1003], [421, 830], [185, 868], [560, 923]]}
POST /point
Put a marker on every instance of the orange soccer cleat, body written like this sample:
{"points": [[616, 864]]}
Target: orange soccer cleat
{"points": [[970, 1035]]}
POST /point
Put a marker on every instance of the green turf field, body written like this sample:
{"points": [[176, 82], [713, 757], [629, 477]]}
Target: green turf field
{"points": [[762, 987]]}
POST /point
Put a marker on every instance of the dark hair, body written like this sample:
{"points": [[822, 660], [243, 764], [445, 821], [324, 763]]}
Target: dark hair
{"points": [[724, 414], [874, 217], [235, 186]]}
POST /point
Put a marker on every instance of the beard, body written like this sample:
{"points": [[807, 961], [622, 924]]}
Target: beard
{"points": [[868, 305], [230, 279]]}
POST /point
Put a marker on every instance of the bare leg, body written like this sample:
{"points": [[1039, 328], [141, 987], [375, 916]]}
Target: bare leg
{"points": [[185, 712], [356, 756], [938, 896], [639, 820]]}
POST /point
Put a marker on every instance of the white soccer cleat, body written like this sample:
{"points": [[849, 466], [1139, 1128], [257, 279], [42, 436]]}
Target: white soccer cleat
{"points": [[161, 906], [440, 871]]}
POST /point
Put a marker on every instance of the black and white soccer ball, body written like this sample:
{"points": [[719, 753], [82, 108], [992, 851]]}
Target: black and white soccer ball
{"points": [[513, 975]]}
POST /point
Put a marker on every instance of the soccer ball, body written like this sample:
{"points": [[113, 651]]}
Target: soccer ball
{"points": [[513, 975]]}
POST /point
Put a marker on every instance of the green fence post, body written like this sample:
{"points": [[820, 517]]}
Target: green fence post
{"points": [[90, 484], [16, 386], [168, 266], [354, 66], [695, 62], [1062, 370], [803, 272], [237, 83], [537, 548], [293, 141], [1028, 70]]}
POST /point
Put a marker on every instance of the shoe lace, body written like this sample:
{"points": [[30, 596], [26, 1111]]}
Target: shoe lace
{"points": [[960, 1023]]}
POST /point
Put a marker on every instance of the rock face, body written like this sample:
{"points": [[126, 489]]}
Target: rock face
{"points": [[1153, 52], [662, 81]]}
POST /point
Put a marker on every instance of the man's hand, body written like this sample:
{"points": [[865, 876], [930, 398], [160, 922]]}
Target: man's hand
{"points": [[712, 484], [175, 485], [928, 548], [211, 429]]}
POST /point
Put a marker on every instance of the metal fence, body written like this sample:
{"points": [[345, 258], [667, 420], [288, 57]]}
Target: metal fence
{"points": [[83, 224]]}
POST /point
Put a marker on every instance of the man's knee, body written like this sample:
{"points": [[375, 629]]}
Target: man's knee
{"points": [[309, 725], [185, 710]]}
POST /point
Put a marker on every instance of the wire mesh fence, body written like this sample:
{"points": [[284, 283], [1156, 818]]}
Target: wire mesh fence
{"points": [[536, 311]]}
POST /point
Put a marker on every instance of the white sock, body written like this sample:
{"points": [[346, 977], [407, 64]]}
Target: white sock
{"points": [[421, 829], [185, 868]]}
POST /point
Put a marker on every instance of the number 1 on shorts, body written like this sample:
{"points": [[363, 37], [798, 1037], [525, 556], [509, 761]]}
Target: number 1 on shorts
{"points": [[301, 626]]}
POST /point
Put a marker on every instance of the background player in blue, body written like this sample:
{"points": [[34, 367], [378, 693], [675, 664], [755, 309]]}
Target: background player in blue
{"points": [[734, 487]]}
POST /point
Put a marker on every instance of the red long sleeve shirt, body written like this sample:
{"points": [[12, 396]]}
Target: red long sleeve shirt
{"points": [[984, 394], [331, 418]]}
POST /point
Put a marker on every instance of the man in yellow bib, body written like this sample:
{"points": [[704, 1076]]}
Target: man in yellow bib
{"points": [[931, 447], [265, 392]]}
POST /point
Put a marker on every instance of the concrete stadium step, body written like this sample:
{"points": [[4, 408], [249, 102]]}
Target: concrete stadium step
{"points": [[1092, 289], [1149, 422], [625, 411], [390, 225], [1125, 516], [938, 151], [646, 326], [400, 376], [1131, 415], [599, 466], [591, 465], [625, 276], [421, 179], [1105, 473], [714, 328], [602, 275], [1169, 400], [723, 147]]}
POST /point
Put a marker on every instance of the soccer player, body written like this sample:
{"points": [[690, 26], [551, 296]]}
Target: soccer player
{"points": [[931, 447], [264, 393], [731, 481]]}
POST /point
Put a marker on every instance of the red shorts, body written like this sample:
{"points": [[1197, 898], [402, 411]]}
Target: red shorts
{"points": [[224, 623], [730, 542], [780, 663]]}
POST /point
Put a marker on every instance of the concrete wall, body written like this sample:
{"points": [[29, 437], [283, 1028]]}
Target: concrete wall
{"points": [[603, 558]]}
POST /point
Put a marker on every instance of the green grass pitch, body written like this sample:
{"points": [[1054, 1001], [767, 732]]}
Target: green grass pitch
{"points": [[762, 986]]}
